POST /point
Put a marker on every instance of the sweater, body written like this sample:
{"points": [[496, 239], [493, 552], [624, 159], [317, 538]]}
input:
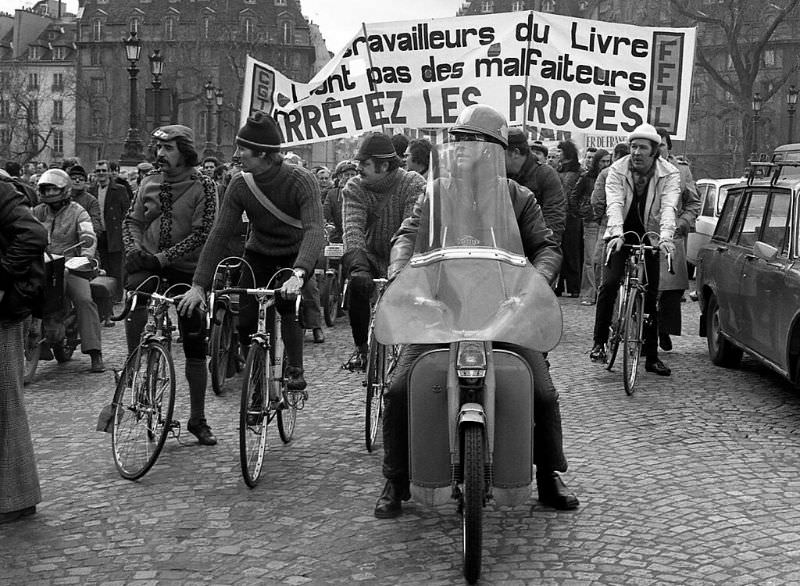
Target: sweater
{"points": [[371, 235], [171, 217], [293, 190]]}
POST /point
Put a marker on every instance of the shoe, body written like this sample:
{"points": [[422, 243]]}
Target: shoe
{"points": [[46, 352], [587, 302], [319, 336], [107, 323], [389, 504], [12, 516], [574, 295], [357, 361], [97, 361], [665, 342], [693, 295], [598, 353], [294, 378], [202, 432], [657, 367], [554, 493]]}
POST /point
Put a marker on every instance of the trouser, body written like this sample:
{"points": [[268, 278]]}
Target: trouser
{"points": [[112, 263], [669, 312], [572, 248], [548, 451], [311, 310], [80, 292], [606, 297], [589, 281], [359, 309], [192, 330], [264, 267]]}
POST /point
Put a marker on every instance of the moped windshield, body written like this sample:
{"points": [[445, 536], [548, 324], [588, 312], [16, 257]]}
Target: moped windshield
{"points": [[468, 278]]}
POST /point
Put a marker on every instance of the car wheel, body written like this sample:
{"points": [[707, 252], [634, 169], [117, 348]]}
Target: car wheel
{"points": [[720, 350]]}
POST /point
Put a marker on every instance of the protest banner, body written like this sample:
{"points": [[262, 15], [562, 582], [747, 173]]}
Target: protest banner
{"points": [[540, 70]]}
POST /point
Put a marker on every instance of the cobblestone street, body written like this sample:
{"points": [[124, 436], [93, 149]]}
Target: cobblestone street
{"points": [[693, 480]]}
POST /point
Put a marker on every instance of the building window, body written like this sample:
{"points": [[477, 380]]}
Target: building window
{"points": [[97, 29], [33, 112], [169, 29], [518, 6], [487, 6], [5, 80], [33, 81], [249, 30], [58, 82], [287, 32], [34, 53], [249, 1], [771, 58], [5, 136], [98, 86], [58, 112], [97, 123], [206, 26], [134, 25], [5, 110], [548, 5], [59, 53], [58, 141], [94, 56], [280, 2]]}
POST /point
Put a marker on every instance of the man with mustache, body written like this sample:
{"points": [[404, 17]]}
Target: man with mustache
{"points": [[642, 191], [164, 232]]}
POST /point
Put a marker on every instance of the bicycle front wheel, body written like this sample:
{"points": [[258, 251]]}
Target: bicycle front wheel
{"points": [[615, 329], [143, 404], [287, 412], [376, 374], [220, 349], [632, 352], [255, 413]]}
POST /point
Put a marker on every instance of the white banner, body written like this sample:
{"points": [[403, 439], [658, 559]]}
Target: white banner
{"points": [[541, 70]]}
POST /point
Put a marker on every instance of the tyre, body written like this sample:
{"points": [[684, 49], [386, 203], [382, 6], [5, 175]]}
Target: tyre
{"points": [[255, 413], [287, 412], [632, 345], [615, 329], [32, 347], [472, 503], [143, 404], [720, 350], [220, 348], [376, 368], [329, 298]]}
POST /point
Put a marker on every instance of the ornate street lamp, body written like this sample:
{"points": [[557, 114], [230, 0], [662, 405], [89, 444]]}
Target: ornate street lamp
{"points": [[156, 69], [219, 97], [756, 104], [791, 104], [209, 89], [133, 153]]}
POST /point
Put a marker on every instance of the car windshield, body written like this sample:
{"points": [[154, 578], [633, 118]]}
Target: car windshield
{"points": [[468, 278]]}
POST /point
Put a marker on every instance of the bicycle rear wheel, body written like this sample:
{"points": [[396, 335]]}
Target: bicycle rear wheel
{"points": [[287, 412], [143, 404], [632, 352], [220, 349], [330, 296], [615, 329], [255, 413], [376, 373]]}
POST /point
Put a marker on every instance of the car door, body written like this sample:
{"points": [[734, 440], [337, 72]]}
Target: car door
{"points": [[695, 238], [770, 301], [719, 261]]}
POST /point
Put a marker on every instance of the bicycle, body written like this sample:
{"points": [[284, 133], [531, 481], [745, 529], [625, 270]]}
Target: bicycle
{"points": [[144, 399], [381, 361], [627, 324], [223, 347], [330, 279], [256, 410]]}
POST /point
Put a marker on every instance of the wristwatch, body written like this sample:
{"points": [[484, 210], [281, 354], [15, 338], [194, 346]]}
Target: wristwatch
{"points": [[300, 274]]}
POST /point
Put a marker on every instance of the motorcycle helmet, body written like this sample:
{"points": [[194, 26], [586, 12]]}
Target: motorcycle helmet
{"points": [[54, 178], [483, 120]]}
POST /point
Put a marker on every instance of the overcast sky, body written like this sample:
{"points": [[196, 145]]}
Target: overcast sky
{"points": [[337, 19]]}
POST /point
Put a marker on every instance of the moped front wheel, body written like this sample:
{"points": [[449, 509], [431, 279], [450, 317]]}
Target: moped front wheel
{"points": [[472, 500]]}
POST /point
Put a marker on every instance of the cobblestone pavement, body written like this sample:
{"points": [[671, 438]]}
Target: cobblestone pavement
{"points": [[694, 480]]}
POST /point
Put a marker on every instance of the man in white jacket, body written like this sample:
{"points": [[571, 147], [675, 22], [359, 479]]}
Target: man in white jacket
{"points": [[642, 190]]}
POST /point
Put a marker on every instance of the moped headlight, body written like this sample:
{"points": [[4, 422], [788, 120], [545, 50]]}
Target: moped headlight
{"points": [[471, 360]]}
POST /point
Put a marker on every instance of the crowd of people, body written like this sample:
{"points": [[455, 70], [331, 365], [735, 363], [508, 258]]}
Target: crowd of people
{"points": [[181, 214]]}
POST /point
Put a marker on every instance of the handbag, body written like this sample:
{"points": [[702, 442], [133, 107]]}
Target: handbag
{"points": [[271, 207]]}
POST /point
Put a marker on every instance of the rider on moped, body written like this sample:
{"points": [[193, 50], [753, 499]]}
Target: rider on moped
{"points": [[68, 225], [478, 141]]}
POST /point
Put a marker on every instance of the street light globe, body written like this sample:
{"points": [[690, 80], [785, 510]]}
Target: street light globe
{"points": [[209, 87], [133, 47], [219, 97]]}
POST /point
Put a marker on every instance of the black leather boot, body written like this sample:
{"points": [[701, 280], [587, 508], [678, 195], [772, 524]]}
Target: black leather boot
{"points": [[554, 493], [389, 504]]}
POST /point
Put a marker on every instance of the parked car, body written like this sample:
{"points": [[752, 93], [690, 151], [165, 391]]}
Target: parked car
{"points": [[712, 194], [786, 152], [748, 275]]}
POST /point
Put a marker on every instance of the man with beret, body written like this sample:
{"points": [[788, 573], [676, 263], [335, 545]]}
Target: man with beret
{"points": [[164, 232], [285, 235], [375, 203], [524, 167]]}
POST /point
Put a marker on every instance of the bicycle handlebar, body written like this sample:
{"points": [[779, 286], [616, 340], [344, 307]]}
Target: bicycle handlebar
{"points": [[259, 292], [131, 301]]}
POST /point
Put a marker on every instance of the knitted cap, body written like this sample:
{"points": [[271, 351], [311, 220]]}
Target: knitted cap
{"points": [[77, 170], [173, 131], [260, 133], [375, 144], [517, 138]]}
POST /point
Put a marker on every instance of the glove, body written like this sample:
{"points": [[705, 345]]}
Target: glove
{"points": [[666, 247], [133, 262], [150, 262], [361, 281]]}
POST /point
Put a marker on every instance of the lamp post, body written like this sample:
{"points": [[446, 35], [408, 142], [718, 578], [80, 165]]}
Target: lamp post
{"points": [[209, 89], [756, 110], [133, 153], [219, 96], [156, 69], [791, 104]]}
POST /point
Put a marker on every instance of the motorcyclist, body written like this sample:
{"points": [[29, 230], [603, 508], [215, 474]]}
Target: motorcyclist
{"points": [[477, 131], [68, 224]]}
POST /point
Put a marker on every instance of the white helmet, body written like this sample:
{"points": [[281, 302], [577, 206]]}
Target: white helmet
{"points": [[646, 131], [54, 178]]}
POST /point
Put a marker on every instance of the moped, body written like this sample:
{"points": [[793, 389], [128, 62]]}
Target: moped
{"points": [[469, 290]]}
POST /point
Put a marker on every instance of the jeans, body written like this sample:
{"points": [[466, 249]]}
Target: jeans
{"points": [[548, 452], [589, 280]]}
